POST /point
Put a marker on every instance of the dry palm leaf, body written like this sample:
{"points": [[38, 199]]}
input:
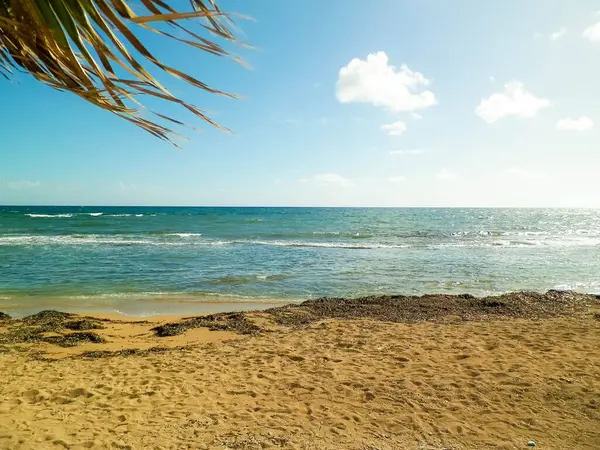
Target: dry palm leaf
{"points": [[81, 46]]}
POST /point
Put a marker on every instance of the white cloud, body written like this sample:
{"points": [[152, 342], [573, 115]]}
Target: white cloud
{"points": [[394, 129], [416, 116], [414, 151], [578, 125], [492, 78], [592, 33], [514, 101], [127, 186], [446, 175], [522, 174], [25, 184], [398, 179], [377, 82], [558, 34], [328, 179]]}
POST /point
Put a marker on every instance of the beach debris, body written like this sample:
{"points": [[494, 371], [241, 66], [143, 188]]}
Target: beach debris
{"points": [[47, 320], [433, 308], [129, 352], [235, 322], [51, 327], [83, 324], [426, 308], [400, 309], [47, 315], [531, 444], [73, 339]]}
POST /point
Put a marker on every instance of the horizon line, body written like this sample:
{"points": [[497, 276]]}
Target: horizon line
{"points": [[292, 206]]}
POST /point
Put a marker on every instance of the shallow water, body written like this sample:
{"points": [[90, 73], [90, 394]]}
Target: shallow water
{"points": [[145, 260]]}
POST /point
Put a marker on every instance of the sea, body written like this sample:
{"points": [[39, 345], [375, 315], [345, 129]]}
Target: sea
{"points": [[179, 260]]}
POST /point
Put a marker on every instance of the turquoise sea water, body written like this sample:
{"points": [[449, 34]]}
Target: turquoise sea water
{"points": [[146, 260]]}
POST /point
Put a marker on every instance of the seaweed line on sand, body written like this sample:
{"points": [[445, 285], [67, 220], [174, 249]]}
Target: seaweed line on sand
{"points": [[53, 327], [68, 330], [399, 309]]}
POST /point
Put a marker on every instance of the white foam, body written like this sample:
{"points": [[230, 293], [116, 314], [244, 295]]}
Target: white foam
{"points": [[98, 239], [323, 244], [49, 215], [196, 239], [96, 214], [585, 286]]}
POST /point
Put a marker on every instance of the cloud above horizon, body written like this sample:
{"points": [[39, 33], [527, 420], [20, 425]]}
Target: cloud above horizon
{"points": [[514, 101], [446, 175], [554, 36], [379, 83], [523, 174], [22, 184], [413, 151], [558, 34], [577, 125], [328, 179], [397, 179], [394, 129], [127, 186], [592, 33]]}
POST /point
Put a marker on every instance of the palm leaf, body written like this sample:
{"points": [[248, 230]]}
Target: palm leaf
{"points": [[83, 47]]}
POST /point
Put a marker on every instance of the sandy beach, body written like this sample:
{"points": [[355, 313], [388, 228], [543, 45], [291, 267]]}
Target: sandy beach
{"points": [[430, 372]]}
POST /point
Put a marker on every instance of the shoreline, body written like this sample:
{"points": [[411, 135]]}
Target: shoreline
{"points": [[417, 373], [146, 306], [60, 333], [140, 307]]}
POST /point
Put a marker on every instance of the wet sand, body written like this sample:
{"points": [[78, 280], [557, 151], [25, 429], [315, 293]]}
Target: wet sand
{"points": [[377, 373]]}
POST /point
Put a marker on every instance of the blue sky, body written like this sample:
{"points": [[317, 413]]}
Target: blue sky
{"points": [[348, 103]]}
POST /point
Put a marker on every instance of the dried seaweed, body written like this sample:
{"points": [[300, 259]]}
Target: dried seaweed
{"points": [[236, 322]]}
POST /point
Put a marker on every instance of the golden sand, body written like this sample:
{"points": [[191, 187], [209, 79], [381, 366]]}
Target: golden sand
{"points": [[337, 384]]}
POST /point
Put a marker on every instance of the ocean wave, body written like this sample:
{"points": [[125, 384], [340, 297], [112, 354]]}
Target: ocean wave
{"points": [[246, 279], [197, 239], [582, 286], [96, 239], [50, 215], [92, 214], [525, 243], [347, 245]]}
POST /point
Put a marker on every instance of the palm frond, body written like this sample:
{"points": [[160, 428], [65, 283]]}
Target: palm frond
{"points": [[82, 46]]}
